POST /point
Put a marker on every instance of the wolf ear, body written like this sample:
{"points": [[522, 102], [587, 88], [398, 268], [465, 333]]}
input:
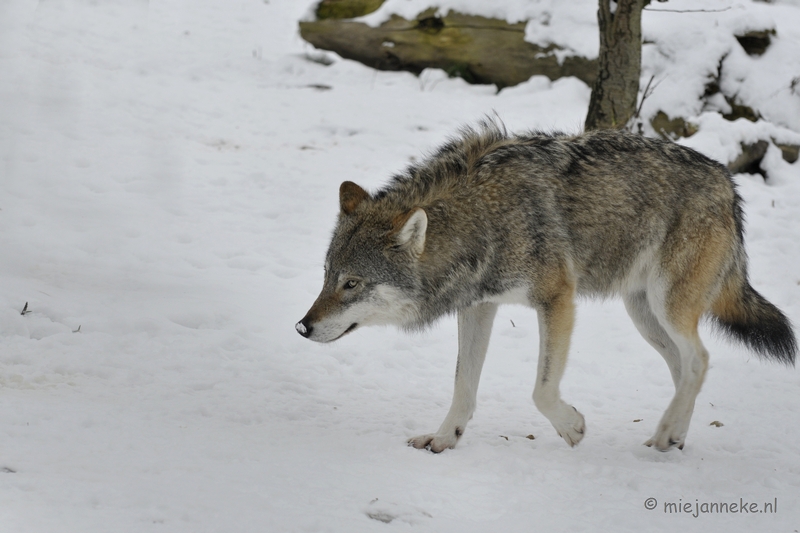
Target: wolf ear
{"points": [[409, 230], [350, 196]]}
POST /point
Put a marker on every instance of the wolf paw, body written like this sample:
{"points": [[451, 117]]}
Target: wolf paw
{"points": [[571, 427], [663, 442], [436, 443], [668, 436]]}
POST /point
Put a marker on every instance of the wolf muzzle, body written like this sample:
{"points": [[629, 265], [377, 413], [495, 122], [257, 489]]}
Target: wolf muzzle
{"points": [[304, 327]]}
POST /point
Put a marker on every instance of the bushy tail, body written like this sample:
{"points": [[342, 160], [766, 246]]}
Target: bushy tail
{"points": [[747, 317]]}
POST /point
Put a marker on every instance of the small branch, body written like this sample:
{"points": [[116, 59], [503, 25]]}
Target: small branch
{"points": [[645, 94], [648, 91], [792, 87], [688, 10], [25, 310]]}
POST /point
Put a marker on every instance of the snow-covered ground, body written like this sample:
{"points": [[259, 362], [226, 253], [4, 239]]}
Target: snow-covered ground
{"points": [[168, 183]]}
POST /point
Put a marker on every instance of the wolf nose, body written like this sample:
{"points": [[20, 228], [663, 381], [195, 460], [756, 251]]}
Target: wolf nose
{"points": [[304, 328]]}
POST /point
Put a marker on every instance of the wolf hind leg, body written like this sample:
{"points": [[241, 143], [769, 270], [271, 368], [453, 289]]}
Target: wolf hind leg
{"points": [[674, 424], [647, 323], [474, 330], [556, 319], [699, 250], [680, 322]]}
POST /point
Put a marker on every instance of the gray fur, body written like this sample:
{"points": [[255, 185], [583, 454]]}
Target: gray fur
{"points": [[491, 216]]}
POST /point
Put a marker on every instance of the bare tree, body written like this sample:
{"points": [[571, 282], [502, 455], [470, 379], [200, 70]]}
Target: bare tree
{"points": [[616, 88]]}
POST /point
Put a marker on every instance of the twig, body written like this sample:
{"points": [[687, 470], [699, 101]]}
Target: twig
{"points": [[645, 94], [688, 10], [25, 310], [635, 119], [792, 86]]}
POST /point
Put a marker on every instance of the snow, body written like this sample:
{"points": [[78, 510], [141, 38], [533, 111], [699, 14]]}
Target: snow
{"points": [[764, 82], [168, 184]]}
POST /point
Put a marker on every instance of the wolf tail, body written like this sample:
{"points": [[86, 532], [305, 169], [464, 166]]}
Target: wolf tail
{"points": [[746, 316]]}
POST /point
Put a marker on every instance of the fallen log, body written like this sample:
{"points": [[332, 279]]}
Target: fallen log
{"points": [[478, 49]]}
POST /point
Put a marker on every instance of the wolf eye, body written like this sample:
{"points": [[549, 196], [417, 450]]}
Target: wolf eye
{"points": [[350, 284]]}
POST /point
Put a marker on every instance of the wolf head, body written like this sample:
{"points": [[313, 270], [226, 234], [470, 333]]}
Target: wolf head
{"points": [[371, 268]]}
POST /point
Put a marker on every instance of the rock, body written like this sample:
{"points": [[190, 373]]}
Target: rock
{"points": [[478, 49], [755, 43], [740, 111], [737, 110], [749, 161], [790, 152], [672, 128]]}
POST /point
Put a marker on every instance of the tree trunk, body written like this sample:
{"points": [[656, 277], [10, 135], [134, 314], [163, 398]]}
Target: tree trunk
{"points": [[616, 88]]}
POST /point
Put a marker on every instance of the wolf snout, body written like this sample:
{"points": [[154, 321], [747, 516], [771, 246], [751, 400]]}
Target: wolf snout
{"points": [[304, 327]]}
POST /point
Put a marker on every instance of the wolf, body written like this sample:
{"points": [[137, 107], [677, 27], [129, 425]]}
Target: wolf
{"points": [[540, 219]]}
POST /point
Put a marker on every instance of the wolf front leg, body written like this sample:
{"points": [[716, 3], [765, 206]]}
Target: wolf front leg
{"points": [[556, 318], [474, 330]]}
